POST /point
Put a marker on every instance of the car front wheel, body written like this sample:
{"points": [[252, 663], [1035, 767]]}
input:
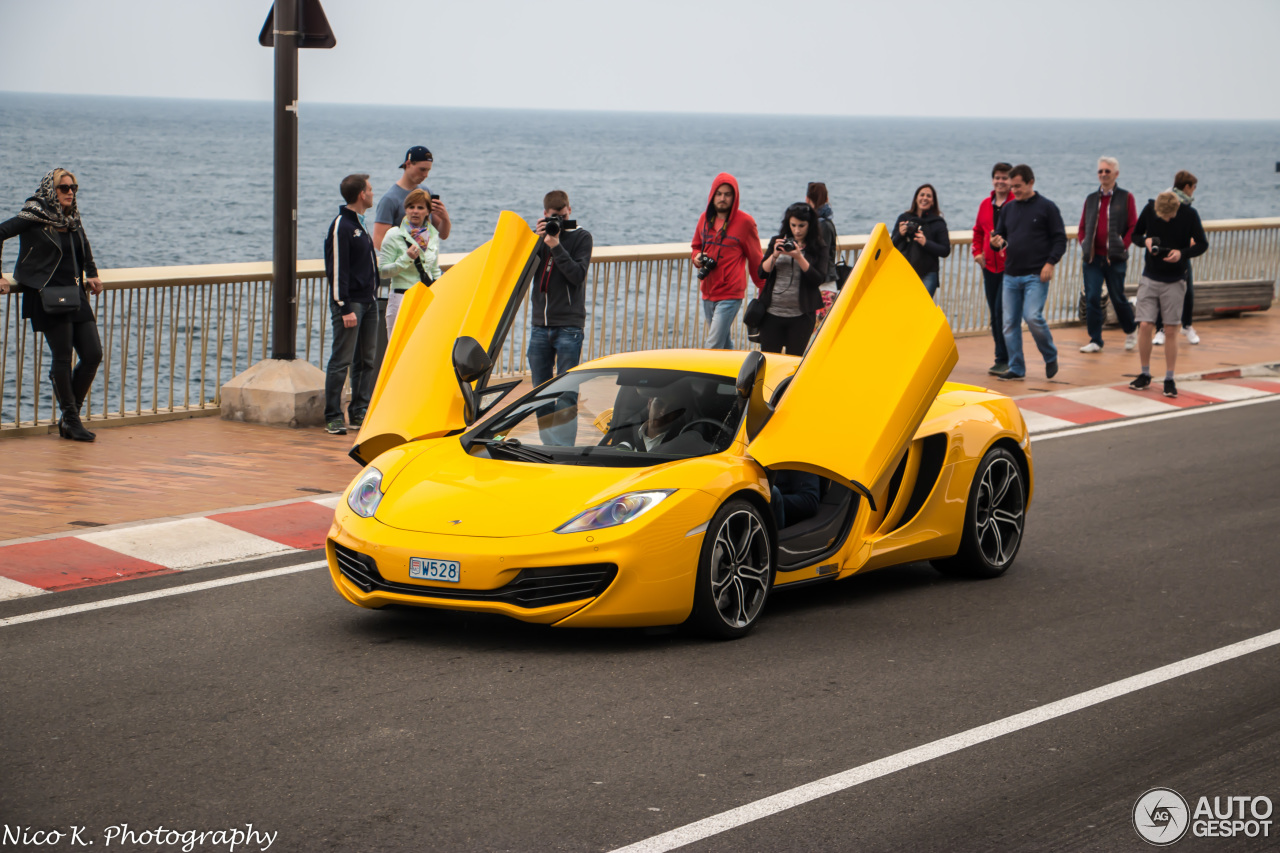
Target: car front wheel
{"points": [[993, 519], [735, 572]]}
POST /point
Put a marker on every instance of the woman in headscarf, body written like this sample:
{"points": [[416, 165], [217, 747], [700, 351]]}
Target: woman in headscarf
{"points": [[54, 254]]}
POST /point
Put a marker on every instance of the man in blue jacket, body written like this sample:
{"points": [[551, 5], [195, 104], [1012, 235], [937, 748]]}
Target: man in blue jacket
{"points": [[351, 265], [1030, 231]]}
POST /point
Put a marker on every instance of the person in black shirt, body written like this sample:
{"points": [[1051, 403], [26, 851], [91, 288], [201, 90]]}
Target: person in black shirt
{"points": [[1173, 235], [54, 253], [921, 235]]}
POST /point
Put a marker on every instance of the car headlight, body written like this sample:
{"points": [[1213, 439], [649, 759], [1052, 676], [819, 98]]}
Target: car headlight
{"points": [[366, 493], [616, 511]]}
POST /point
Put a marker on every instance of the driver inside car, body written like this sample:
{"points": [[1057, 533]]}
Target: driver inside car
{"points": [[663, 416]]}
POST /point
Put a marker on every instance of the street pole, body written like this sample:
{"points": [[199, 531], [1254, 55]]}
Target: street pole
{"points": [[285, 251]]}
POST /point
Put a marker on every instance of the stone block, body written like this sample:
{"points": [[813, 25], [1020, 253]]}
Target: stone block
{"points": [[278, 392]]}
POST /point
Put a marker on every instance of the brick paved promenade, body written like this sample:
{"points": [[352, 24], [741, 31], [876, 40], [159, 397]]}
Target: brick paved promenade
{"points": [[135, 473]]}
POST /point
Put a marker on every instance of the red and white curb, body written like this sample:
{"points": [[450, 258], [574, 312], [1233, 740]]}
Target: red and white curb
{"points": [[123, 552], [1052, 412], [75, 560]]}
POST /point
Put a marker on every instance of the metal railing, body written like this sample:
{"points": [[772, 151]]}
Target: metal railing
{"points": [[172, 335]]}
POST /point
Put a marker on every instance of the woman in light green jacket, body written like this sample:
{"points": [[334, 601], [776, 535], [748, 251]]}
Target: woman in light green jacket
{"points": [[410, 252]]}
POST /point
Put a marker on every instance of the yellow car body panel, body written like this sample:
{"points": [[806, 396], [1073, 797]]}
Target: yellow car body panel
{"points": [[417, 394], [874, 368], [868, 397]]}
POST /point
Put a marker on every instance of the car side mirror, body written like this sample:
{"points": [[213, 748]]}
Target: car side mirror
{"points": [[751, 387], [470, 362]]}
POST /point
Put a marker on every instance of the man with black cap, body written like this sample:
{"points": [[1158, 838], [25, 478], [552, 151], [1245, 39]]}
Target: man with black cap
{"points": [[390, 213]]}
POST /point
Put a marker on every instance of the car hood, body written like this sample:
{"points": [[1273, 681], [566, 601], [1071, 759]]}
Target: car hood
{"points": [[446, 490]]}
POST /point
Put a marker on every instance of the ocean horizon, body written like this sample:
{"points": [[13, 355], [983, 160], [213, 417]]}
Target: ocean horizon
{"points": [[167, 181]]}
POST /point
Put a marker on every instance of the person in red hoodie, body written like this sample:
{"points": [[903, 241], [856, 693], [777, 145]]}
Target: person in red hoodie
{"points": [[991, 261], [726, 249]]}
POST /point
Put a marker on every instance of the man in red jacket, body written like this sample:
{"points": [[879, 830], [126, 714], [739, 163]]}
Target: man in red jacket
{"points": [[726, 249], [991, 261]]}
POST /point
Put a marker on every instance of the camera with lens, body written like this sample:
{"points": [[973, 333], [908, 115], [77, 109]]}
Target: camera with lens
{"points": [[913, 227], [555, 223], [788, 245], [706, 265], [1157, 251]]}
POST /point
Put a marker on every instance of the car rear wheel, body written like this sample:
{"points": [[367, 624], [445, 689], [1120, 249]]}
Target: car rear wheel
{"points": [[993, 519], [735, 572]]}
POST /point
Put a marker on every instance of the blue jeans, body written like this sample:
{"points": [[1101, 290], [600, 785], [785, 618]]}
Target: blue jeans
{"points": [[1024, 297], [354, 348], [553, 350], [1095, 272], [930, 280], [993, 285], [720, 315]]}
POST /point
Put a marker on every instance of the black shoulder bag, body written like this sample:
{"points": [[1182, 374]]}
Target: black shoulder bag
{"points": [[63, 298]]}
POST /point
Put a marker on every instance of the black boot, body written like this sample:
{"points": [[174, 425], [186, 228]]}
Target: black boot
{"points": [[70, 427]]}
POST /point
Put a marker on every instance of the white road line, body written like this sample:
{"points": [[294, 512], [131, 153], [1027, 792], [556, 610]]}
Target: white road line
{"points": [[160, 593], [330, 502], [734, 818], [188, 543], [1128, 422]]}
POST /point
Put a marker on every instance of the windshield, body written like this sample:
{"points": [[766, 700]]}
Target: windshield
{"points": [[624, 416]]}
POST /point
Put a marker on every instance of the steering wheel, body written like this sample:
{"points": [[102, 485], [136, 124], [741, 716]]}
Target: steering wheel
{"points": [[710, 421]]}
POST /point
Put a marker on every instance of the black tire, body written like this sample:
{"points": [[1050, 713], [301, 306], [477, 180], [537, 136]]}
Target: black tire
{"points": [[993, 519], [735, 572]]}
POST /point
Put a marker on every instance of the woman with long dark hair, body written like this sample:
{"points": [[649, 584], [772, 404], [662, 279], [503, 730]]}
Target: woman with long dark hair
{"points": [[794, 268], [921, 235], [56, 274]]}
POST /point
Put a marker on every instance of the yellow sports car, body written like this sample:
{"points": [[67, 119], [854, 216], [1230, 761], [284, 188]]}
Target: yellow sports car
{"points": [[671, 486]]}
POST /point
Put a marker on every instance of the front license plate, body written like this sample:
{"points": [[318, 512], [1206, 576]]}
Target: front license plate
{"points": [[435, 570]]}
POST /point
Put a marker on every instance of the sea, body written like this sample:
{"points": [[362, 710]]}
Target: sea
{"points": [[166, 182]]}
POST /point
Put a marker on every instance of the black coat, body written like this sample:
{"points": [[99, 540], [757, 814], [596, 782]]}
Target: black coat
{"points": [[810, 281], [937, 242], [39, 257]]}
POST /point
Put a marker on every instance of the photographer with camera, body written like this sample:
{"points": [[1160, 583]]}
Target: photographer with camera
{"points": [[559, 309], [921, 235], [1173, 235], [794, 269], [726, 249]]}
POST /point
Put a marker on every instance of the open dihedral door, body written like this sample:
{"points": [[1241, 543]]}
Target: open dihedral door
{"points": [[867, 379], [418, 393]]}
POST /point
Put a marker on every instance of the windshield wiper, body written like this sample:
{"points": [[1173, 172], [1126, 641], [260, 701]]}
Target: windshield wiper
{"points": [[513, 448]]}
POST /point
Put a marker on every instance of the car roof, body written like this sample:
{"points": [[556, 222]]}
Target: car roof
{"points": [[720, 362]]}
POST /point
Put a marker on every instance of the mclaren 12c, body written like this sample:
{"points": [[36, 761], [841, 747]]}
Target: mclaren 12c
{"points": [[671, 486]]}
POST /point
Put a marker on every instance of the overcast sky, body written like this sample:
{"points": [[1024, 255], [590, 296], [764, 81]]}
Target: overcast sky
{"points": [[1083, 58]]}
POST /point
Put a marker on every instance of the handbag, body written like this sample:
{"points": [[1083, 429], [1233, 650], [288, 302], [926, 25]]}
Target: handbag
{"points": [[754, 315], [63, 298], [842, 273]]}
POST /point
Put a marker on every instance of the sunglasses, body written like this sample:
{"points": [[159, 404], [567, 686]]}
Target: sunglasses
{"points": [[1104, 171], [68, 188]]}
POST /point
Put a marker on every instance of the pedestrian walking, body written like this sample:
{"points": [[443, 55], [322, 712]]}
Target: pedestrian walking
{"points": [[991, 262], [351, 265], [1031, 234], [410, 253], [794, 268], [1184, 187], [56, 275], [726, 249], [1106, 229], [816, 196], [921, 235], [1172, 235]]}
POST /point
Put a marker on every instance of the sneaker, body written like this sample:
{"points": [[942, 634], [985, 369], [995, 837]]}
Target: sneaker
{"points": [[998, 368], [1158, 340], [1051, 369], [1131, 342], [335, 428], [1142, 383], [1091, 347], [1170, 390], [356, 423], [1010, 375], [1189, 333]]}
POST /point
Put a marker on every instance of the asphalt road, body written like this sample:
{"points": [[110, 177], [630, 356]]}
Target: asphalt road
{"points": [[275, 703]]}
